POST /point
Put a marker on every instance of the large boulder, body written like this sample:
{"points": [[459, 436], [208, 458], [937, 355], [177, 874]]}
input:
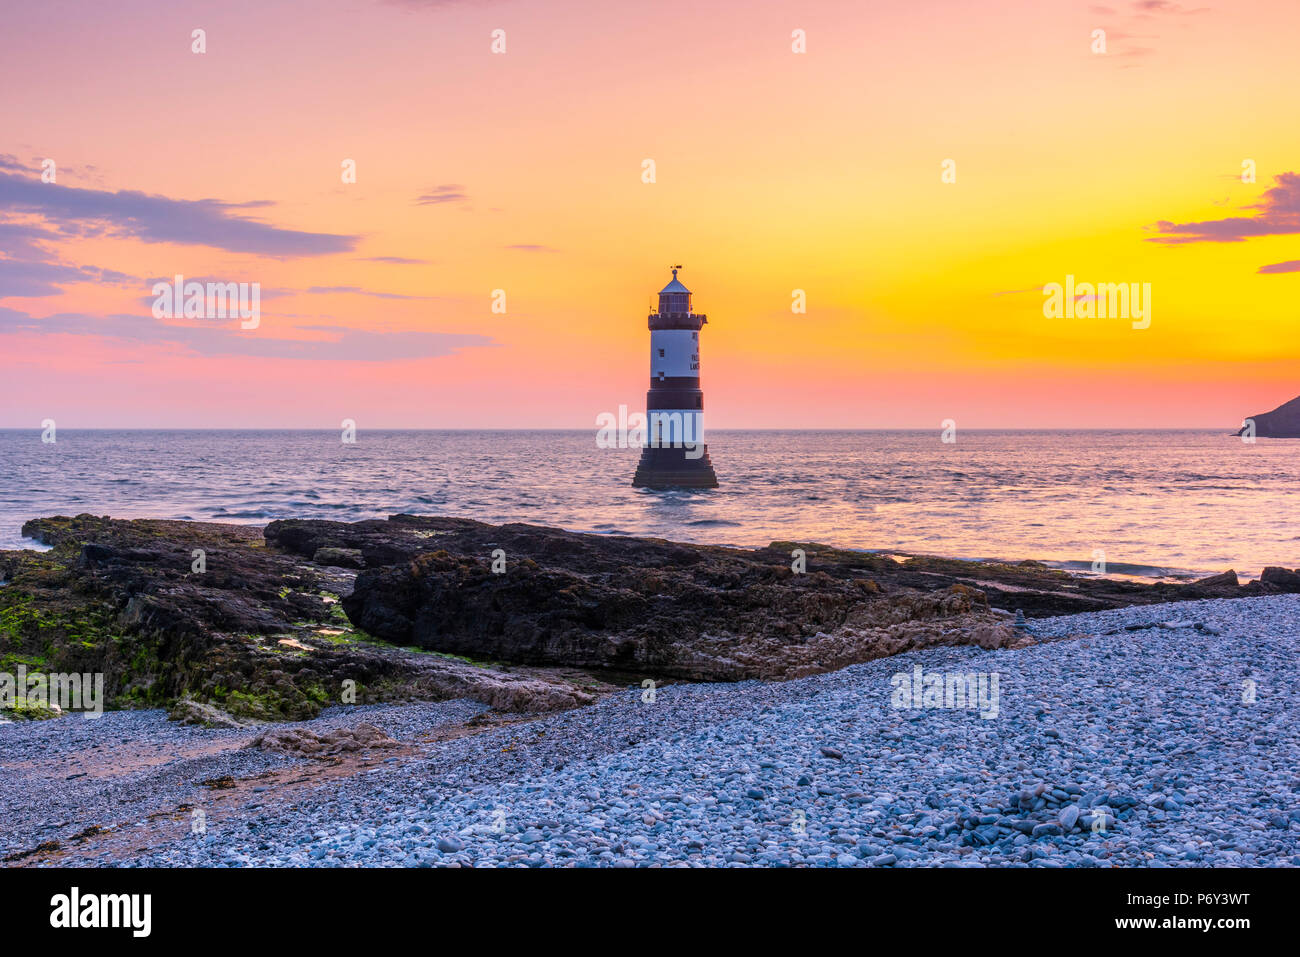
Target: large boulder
{"points": [[543, 596], [546, 597], [1281, 578]]}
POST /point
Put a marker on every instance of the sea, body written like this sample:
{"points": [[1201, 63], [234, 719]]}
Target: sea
{"points": [[1150, 505]]}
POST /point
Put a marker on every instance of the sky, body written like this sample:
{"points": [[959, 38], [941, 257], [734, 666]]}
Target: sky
{"points": [[920, 172]]}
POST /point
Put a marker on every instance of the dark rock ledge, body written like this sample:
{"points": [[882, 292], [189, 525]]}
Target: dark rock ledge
{"points": [[410, 608]]}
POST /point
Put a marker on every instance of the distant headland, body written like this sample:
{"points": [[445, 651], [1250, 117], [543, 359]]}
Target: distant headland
{"points": [[1282, 423]]}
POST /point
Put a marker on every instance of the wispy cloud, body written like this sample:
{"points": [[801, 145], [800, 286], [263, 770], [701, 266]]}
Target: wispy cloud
{"points": [[33, 167], [24, 278], [1147, 13], [160, 219], [449, 193], [1292, 265], [337, 343], [532, 248], [1152, 8], [429, 4], [30, 241], [358, 291], [1277, 214], [396, 260]]}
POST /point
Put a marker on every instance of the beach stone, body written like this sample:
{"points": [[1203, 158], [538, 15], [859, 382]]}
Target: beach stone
{"points": [[341, 557]]}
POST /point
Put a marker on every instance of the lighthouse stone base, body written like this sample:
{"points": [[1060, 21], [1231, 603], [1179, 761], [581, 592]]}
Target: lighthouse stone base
{"points": [[669, 467]]}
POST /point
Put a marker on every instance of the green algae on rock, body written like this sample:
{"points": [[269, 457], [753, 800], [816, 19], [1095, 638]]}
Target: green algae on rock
{"points": [[254, 631]]}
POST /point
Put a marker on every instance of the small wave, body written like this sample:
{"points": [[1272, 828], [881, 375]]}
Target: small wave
{"points": [[28, 543], [1130, 570]]}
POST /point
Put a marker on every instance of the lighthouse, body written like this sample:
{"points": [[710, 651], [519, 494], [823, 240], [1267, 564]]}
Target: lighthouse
{"points": [[675, 454]]}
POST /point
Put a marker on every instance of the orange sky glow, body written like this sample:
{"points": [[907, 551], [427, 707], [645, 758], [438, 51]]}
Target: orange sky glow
{"points": [[775, 171]]}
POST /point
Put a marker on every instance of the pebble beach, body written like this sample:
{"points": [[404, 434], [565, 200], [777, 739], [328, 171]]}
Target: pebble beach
{"points": [[1154, 737]]}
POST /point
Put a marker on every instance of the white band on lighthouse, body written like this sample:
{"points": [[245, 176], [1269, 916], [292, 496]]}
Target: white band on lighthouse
{"points": [[674, 353]]}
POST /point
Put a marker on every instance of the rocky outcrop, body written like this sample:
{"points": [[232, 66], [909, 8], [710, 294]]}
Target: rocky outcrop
{"points": [[702, 614], [543, 596], [230, 624], [207, 619], [1282, 423]]}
